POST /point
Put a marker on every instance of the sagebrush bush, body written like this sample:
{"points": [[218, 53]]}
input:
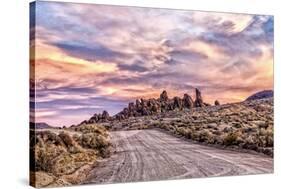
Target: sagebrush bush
{"points": [[92, 128], [269, 138], [45, 155], [230, 139], [204, 136], [68, 163]]}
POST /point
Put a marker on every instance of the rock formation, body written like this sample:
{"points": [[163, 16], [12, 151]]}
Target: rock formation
{"points": [[217, 103], [164, 96], [145, 107], [105, 115], [261, 95], [198, 99], [98, 118], [177, 103], [187, 101]]}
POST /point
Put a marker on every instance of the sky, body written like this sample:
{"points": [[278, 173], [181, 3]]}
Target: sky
{"points": [[89, 58]]}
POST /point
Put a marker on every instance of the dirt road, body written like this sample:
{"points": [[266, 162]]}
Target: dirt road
{"points": [[146, 155]]}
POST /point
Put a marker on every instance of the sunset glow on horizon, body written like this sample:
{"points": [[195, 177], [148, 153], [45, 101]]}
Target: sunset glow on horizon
{"points": [[90, 58]]}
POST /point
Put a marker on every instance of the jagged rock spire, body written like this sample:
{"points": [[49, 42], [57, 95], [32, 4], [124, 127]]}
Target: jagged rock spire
{"points": [[187, 101], [164, 96], [198, 99], [217, 103]]}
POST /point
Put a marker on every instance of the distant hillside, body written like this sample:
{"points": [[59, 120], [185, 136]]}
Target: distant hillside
{"points": [[261, 94], [42, 125]]}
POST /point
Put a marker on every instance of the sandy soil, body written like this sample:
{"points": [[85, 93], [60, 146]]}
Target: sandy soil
{"points": [[146, 155]]}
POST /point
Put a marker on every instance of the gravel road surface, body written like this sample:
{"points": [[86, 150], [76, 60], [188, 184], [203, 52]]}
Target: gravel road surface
{"points": [[147, 155]]}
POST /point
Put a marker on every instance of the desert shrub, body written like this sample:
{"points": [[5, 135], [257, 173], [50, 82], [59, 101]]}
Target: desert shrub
{"points": [[48, 137], [184, 132], [260, 124], [262, 132], [63, 154], [203, 136], [164, 126], [218, 140], [60, 155], [66, 138], [94, 141], [143, 127], [251, 142], [156, 124], [42, 179], [261, 141], [230, 139], [48, 146], [45, 155], [177, 130], [264, 138], [70, 143], [268, 151], [237, 125], [217, 132], [269, 138], [68, 163], [104, 152], [92, 128], [211, 138], [75, 137], [194, 135], [170, 128]]}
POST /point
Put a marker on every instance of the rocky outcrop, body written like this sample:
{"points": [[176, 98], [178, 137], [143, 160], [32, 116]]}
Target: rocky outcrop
{"points": [[217, 103], [187, 101], [151, 106], [164, 96], [177, 103], [198, 99], [42, 125], [105, 115], [98, 118], [146, 107], [261, 95]]}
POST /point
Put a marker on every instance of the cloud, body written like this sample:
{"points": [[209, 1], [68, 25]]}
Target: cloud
{"points": [[88, 52], [182, 55], [95, 57], [247, 42], [136, 67]]}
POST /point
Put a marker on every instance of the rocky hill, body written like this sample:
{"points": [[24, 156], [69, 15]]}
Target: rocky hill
{"points": [[261, 95], [42, 125]]}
